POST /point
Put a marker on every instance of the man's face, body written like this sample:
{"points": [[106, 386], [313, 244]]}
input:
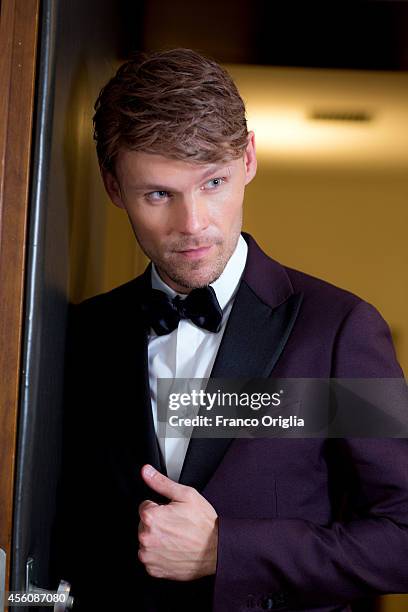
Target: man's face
{"points": [[186, 217]]}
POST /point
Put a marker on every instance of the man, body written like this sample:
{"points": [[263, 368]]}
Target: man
{"points": [[215, 524]]}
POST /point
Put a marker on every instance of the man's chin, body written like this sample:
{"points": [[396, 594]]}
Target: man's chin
{"points": [[192, 279], [193, 282]]}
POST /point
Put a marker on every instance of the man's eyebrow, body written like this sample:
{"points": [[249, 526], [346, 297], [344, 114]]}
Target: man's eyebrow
{"points": [[215, 169], [150, 187], [159, 187]]}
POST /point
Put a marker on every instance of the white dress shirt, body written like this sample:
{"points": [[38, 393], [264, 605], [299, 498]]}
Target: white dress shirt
{"points": [[190, 351]]}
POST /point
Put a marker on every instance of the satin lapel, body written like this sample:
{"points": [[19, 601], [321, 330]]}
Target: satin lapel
{"points": [[255, 337]]}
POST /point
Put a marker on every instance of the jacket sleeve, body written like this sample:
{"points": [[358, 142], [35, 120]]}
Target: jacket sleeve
{"points": [[296, 564]]}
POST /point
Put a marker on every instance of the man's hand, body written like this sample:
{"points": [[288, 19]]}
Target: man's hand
{"points": [[178, 541]]}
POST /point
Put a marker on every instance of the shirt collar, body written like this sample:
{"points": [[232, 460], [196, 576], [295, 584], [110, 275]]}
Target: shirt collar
{"points": [[225, 286]]}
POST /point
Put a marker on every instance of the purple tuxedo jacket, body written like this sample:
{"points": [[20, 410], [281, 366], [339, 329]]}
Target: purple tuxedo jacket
{"points": [[304, 524]]}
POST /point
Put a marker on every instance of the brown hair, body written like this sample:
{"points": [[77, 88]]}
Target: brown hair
{"points": [[175, 103]]}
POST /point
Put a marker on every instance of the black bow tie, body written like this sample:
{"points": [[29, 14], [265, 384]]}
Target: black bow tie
{"points": [[200, 306]]}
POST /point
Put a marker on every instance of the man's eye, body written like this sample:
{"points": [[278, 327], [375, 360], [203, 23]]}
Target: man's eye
{"points": [[156, 196], [214, 183]]}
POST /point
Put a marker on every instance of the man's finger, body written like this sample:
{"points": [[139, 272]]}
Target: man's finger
{"points": [[164, 485], [144, 507]]}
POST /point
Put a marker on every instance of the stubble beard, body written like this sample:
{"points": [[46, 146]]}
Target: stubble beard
{"points": [[187, 274]]}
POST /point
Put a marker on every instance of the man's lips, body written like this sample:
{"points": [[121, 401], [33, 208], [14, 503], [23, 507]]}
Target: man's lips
{"points": [[195, 253]]}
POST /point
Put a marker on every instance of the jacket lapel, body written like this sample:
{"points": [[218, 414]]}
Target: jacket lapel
{"points": [[260, 323]]}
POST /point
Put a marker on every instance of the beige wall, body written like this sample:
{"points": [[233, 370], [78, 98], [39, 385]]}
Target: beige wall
{"points": [[347, 228], [102, 251]]}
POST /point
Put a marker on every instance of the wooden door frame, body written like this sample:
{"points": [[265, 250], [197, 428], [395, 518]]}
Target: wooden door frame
{"points": [[19, 24]]}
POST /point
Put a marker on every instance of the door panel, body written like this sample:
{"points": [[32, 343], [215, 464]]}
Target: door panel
{"points": [[18, 43]]}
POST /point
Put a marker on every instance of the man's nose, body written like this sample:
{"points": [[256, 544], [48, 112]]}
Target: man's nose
{"points": [[192, 216]]}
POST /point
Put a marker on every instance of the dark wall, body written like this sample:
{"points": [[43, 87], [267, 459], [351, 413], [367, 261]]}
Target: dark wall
{"points": [[355, 34]]}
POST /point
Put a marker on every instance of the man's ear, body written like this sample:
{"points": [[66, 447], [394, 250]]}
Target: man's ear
{"points": [[112, 188], [250, 158]]}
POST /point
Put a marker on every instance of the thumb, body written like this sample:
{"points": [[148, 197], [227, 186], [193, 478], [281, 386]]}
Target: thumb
{"points": [[164, 485]]}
